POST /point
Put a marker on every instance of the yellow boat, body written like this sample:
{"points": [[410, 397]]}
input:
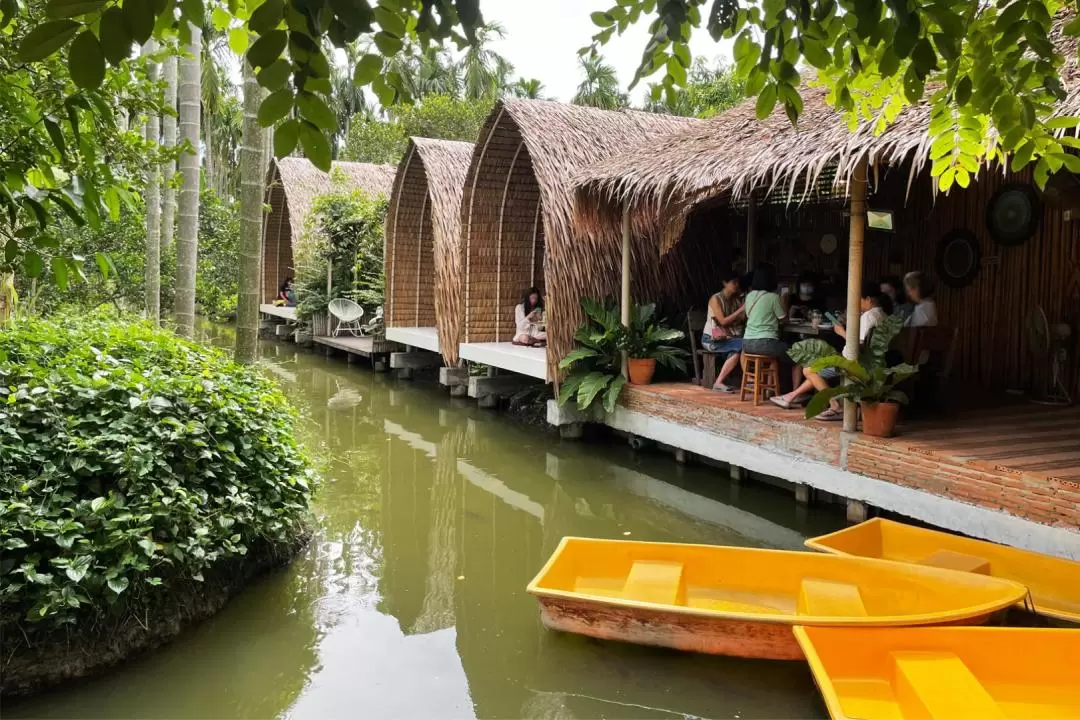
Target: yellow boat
{"points": [[1054, 583], [744, 601], [945, 673]]}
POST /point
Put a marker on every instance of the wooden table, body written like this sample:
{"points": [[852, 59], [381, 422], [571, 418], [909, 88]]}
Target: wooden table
{"points": [[806, 329]]}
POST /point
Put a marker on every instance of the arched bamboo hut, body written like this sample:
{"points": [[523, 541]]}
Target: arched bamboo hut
{"points": [[292, 184], [423, 278], [517, 229]]}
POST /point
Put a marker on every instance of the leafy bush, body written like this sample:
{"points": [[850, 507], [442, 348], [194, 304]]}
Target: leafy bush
{"points": [[868, 379], [133, 462], [649, 338], [217, 283]]}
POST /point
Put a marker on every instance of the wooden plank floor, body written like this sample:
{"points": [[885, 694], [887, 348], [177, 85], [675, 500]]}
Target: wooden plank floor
{"points": [[366, 346], [1023, 438]]}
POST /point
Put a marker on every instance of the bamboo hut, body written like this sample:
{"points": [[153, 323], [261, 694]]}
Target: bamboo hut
{"points": [[761, 187], [292, 184], [423, 278], [517, 229]]}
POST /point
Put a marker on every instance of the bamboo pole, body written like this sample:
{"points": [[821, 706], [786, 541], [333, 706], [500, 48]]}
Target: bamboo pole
{"points": [[626, 281], [751, 232], [855, 276]]}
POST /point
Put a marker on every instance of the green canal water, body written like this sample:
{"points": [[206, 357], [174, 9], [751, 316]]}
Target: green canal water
{"points": [[410, 601]]}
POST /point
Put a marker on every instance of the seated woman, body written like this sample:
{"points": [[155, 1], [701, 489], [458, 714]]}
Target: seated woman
{"points": [[724, 327], [876, 307], [529, 320], [286, 294], [920, 293]]}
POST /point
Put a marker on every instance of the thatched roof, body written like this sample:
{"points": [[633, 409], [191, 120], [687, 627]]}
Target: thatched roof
{"points": [[303, 182], [734, 153], [422, 225], [526, 155]]}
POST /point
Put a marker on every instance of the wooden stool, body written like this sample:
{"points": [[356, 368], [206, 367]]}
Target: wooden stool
{"points": [[760, 375]]}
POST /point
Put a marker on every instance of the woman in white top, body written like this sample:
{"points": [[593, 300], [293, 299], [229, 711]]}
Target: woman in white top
{"points": [[920, 293], [529, 320], [876, 307]]}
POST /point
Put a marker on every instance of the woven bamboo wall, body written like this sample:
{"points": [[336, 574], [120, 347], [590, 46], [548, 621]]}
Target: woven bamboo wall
{"points": [[993, 350], [409, 255], [277, 244]]}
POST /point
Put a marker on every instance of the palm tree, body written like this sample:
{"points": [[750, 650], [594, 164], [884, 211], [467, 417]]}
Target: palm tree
{"points": [[528, 89], [168, 131], [216, 87], [485, 73], [153, 207], [429, 72], [710, 89], [348, 100], [187, 242], [600, 87], [252, 174]]}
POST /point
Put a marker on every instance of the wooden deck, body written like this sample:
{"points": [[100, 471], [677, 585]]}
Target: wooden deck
{"points": [[364, 346], [1022, 459], [278, 311]]}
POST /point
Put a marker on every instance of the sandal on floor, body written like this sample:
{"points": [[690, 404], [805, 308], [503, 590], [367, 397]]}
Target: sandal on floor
{"points": [[830, 415], [779, 401]]}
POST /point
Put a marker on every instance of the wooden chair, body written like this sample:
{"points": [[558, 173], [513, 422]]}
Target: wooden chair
{"points": [[704, 360], [760, 377]]}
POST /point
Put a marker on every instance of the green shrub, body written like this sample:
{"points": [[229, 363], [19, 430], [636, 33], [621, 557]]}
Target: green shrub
{"points": [[132, 462]]}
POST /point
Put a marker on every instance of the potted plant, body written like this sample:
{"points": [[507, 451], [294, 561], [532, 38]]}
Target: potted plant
{"points": [[868, 381], [647, 342]]}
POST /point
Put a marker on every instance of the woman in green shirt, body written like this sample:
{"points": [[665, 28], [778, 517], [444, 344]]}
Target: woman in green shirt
{"points": [[764, 311]]}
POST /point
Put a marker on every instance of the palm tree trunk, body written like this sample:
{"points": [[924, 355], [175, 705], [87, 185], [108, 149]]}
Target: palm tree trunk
{"points": [[168, 130], [252, 152], [187, 243], [153, 210]]}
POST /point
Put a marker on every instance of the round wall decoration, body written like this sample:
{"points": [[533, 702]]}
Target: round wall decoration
{"points": [[1013, 214], [958, 258], [828, 243]]}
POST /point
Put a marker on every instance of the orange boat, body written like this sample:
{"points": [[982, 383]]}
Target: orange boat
{"points": [[745, 601]]}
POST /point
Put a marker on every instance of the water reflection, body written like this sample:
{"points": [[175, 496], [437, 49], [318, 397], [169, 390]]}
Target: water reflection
{"points": [[410, 601]]}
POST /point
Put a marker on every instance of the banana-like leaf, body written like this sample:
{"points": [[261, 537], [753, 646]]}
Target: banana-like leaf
{"points": [[611, 395], [579, 353], [851, 368], [807, 352], [820, 401], [569, 387], [591, 386]]}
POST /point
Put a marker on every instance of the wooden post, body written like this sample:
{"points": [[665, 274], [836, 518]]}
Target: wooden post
{"points": [[751, 232], [626, 280], [855, 276]]}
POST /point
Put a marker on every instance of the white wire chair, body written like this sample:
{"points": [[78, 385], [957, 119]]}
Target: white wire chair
{"points": [[348, 315]]}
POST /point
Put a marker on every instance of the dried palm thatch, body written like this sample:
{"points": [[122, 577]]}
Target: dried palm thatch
{"points": [[423, 265], [292, 184], [516, 214], [734, 154]]}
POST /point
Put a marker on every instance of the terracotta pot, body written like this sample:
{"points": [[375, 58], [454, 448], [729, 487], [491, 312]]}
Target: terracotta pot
{"points": [[641, 370], [879, 419]]}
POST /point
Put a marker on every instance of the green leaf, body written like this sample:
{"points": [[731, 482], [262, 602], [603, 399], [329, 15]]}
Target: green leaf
{"points": [[275, 75], [367, 68], [591, 386], [611, 395], [267, 48], [86, 61], [33, 264], [115, 37], [389, 21], [118, 584], [220, 18], [766, 102], [140, 20], [388, 44], [193, 11], [238, 40], [103, 264], [286, 136], [850, 368], [60, 271], [316, 146], [78, 568], [267, 16], [569, 388], [72, 8], [46, 38], [55, 134], [316, 110], [275, 106], [577, 354], [821, 399]]}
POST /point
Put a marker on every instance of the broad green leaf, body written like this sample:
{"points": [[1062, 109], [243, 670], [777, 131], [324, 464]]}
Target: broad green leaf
{"points": [[388, 44], [46, 38], [33, 264], [766, 102], [591, 386], [193, 11], [611, 395], [275, 106], [55, 134], [102, 264], [140, 19], [220, 18], [267, 48], [118, 584], [389, 21], [115, 37], [285, 137], [367, 69], [821, 399], [78, 568], [275, 75], [60, 271], [316, 110], [316, 146], [72, 8], [266, 17], [86, 61], [238, 40], [579, 353]]}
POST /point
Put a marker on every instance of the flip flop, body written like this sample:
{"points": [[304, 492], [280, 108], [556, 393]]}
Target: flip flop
{"points": [[830, 415], [781, 402]]}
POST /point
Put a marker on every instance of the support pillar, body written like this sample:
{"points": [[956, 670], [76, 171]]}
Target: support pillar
{"points": [[803, 494], [858, 184], [738, 474], [625, 303], [572, 431], [680, 456], [857, 511]]}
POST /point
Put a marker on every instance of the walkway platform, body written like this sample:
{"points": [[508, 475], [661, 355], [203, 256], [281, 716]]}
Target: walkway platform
{"points": [[278, 311], [365, 346], [422, 338], [518, 359], [1011, 474]]}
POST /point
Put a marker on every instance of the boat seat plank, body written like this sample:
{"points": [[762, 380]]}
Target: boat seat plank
{"points": [[655, 581], [939, 686], [952, 560], [828, 598]]}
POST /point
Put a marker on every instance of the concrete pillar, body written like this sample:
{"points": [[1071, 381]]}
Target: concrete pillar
{"points": [[857, 511], [572, 431], [488, 401], [459, 391], [379, 364], [405, 373], [738, 474], [680, 456], [803, 494]]}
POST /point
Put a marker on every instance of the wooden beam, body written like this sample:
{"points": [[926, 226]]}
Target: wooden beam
{"points": [[625, 305], [391, 300], [498, 242], [468, 225], [855, 275]]}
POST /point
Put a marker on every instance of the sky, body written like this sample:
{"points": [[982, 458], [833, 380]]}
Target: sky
{"points": [[543, 37]]}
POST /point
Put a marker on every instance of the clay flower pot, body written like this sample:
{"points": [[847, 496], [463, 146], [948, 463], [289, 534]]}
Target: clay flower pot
{"points": [[879, 419], [641, 370]]}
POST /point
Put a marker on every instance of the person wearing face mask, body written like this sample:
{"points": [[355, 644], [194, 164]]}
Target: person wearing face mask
{"points": [[807, 298]]}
